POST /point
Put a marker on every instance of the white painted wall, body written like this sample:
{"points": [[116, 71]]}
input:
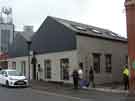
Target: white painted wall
{"points": [[18, 61], [85, 47], [55, 60], [88, 45]]}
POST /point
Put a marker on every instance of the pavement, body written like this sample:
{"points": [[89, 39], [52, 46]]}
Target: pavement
{"points": [[112, 88], [105, 92], [45, 91]]}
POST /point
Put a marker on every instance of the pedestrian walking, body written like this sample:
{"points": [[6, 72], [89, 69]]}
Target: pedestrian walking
{"points": [[75, 79], [91, 77], [126, 77], [80, 72]]}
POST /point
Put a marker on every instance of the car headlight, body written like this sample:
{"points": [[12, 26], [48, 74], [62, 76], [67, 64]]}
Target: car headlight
{"points": [[12, 79], [24, 79]]}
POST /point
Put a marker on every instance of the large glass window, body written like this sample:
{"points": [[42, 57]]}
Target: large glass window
{"points": [[96, 62], [47, 69], [64, 67], [108, 63]]}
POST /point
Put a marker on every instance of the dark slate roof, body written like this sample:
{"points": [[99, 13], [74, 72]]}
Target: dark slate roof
{"points": [[52, 36], [55, 35], [26, 35], [19, 46], [84, 29]]}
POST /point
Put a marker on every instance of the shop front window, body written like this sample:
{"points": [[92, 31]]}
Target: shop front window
{"points": [[47, 69], [64, 66]]}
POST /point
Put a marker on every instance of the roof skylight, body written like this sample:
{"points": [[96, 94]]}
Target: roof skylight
{"points": [[79, 27], [113, 34], [96, 31]]}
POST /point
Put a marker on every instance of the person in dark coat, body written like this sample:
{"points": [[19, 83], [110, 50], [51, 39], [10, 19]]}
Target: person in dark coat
{"points": [[75, 79], [91, 77]]}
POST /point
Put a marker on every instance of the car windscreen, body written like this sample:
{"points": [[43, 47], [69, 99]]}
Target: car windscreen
{"points": [[14, 73]]}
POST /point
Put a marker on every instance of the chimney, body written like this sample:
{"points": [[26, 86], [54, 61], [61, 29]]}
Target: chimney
{"points": [[130, 18]]}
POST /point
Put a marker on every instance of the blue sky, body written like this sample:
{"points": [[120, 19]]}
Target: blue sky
{"points": [[108, 14]]}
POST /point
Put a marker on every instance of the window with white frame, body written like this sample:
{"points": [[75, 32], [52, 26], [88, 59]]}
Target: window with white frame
{"points": [[96, 62], [108, 63], [47, 69], [64, 67]]}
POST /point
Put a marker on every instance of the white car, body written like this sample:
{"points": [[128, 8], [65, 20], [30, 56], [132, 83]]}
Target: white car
{"points": [[11, 77]]}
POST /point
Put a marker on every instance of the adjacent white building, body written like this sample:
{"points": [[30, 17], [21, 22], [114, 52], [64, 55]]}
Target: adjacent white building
{"points": [[60, 46]]}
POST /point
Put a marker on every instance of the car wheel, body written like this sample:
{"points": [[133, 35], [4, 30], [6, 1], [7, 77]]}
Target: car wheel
{"points": [[7, 84]]}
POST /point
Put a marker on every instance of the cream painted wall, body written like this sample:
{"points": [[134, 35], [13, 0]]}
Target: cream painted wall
{"points": [[55, 63], [55, 60], [18, 61], [88, 45], [85, 47]]}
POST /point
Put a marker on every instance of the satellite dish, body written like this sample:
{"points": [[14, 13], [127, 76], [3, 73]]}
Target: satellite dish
{"points": [[7, 11]]}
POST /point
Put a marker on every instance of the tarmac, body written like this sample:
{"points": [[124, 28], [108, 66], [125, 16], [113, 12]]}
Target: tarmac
{"points": [[112, 87]]}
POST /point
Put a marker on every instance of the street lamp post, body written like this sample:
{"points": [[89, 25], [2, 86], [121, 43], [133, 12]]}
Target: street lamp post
{"points": [[29, 46]]}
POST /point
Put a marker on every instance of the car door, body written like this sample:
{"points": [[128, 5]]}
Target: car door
{"points": [[4, 77], [0, 77]]}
